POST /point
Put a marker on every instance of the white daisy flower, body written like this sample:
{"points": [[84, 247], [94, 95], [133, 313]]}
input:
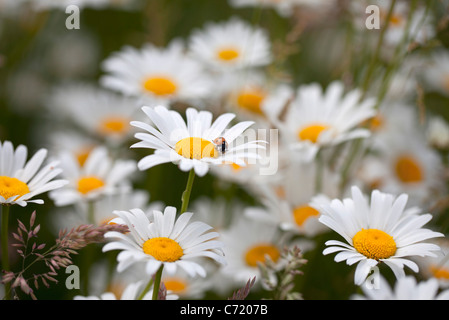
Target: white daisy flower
{"points": [[406, 288], [247, 243], [158, 75], [438, 132], [108, 113], [100, 175], [437, 267], [164, 240], [317, 119], [290, 204], [436, 74], [131, 292], [93, 4], [231, 45], [402, 160], [22, 180], [379, 231], [285, 8], [195, 145]]}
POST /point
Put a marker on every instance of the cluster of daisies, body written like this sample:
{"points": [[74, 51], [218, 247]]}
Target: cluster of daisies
{"points": [[317, 159]]}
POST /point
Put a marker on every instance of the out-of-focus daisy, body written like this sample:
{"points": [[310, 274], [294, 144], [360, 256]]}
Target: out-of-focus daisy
{"points": [[99, 175], [231, 45], [164, 240], [437, 267], [72, 141], [157, 75], [406, 288], [402, 160], [22, 180], [283, 7], [247, 243], [100, 113], [380, 231], [94, 4], [289, 204], [317, 118], [252, 96], [436, 74], [131, 292], [195, 145], [438, 133]]}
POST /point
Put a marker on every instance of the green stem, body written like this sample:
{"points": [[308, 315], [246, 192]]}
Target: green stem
{"points": [[5, 247], [186, 194], [375, 58], [88, 250], [147, 288], [157, 282]]}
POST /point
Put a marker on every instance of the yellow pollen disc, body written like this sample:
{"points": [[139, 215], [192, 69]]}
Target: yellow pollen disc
{"points": [[259, 252], [235, 167], [10, 187], [312, 132], [302, 213], [114, 125], [163, 249], [176, 285], [160, 86], [196, 148], [440, 272], [88, 184], [374, 244], [228, 54], [82, 155], [408, 170], [374, 123], [251, 100], [396, 20]]}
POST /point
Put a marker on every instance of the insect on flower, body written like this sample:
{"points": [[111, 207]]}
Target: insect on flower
{"points": [[221, 144]]}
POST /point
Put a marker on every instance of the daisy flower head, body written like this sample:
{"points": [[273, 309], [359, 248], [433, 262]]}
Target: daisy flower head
{"points": [[436, 74], [22, 180], [406, 288], [249, 242], [156, 75], [100, 175], [231, 45], [196, 144], [285, 8], [131, 292], [316, 119], [109, 113], [437, 267], [380, 231], [164, 239]]}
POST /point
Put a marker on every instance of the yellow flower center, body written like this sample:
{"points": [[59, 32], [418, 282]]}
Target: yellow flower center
{"points": [[82, 155], [440, 272], [114, 125], [88, 184], [408, 169], [10, 187], [312, 132], [396, 20], [196, 148], [374, 244], [228, 54], [251, 100], [160, 86], [175, 285], [258, 253], [163, 249], [302, 213]]}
